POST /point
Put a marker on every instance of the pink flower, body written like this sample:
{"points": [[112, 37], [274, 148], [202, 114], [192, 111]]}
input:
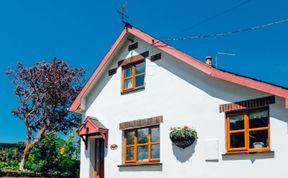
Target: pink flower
{"points": [[185, 127]]}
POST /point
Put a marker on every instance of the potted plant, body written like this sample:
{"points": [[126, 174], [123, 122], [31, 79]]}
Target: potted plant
{"points": [[183, 136]]}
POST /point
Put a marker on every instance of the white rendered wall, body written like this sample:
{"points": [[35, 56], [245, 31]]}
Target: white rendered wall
{"points": [[183, 96]]}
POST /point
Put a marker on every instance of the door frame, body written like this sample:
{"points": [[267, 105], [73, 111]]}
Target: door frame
{"points": [[99, 157]]}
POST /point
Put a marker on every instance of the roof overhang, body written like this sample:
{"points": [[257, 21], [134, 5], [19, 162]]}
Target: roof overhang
{"points": [[91, 127], [207, 69]]}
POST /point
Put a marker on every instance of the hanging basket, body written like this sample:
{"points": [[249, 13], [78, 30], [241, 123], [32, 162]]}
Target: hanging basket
{"points": [[182, 142], [183, 137]]}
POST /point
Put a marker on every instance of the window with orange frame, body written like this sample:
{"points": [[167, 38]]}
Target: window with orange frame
{"points": [[142, 145], [133, 76], [248, 131]]}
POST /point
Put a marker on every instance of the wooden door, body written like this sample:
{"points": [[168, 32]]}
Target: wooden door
{"points": [[99, 159]]}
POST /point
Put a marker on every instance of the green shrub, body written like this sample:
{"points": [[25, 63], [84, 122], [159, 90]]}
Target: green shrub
{"points": [[9, 165], [55, 156], [13, 165], [3, 165], [11, 154]]}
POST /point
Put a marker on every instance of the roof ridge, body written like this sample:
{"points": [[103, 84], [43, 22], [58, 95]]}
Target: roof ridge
{"points": [[189, 60]]}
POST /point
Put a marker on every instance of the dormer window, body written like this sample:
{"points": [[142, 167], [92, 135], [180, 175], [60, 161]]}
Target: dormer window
{"points": [[133, 76]]}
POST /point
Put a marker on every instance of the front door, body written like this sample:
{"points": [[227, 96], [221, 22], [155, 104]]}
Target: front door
{"points": [[99, 159]]}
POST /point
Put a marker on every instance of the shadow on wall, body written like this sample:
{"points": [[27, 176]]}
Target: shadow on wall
{"points": [[218, 88], [141, 168], [252, 156], [183, 155]]}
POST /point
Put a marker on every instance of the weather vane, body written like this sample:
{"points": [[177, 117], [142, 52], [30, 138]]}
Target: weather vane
{"points": [[121, 12]]}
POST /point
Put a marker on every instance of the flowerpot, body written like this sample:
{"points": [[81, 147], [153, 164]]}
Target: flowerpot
{"points": [[182, 142]]}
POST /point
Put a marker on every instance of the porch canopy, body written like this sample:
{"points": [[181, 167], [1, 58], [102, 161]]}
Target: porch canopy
{"points": [[92, 127]]}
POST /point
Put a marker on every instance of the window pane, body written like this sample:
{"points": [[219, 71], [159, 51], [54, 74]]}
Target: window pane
{"points": [[155, 134], [143, 135], [130, 153], [130, 137], [127, 72], [142, 153], [237, 140], [259, 139], [258, 119], [237, 122], [128, 83], [155, 151], [140, 68], [140, 81]]}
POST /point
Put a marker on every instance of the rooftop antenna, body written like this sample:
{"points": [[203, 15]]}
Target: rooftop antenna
{"points": [[121, 12], [224, 54]]}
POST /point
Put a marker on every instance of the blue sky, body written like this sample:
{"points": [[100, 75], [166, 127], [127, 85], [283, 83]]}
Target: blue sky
{"points": [[81, 32]]}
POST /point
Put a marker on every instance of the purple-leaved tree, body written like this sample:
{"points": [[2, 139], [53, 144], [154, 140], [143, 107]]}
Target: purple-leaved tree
{"points": [[45, 91]]}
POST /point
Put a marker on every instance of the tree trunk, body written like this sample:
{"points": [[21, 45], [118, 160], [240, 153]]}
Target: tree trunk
{"points": [[25, 156], [29, 144]]}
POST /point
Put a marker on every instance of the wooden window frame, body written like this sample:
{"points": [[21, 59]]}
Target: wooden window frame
{"points": [[246, 131], [136, 145], [133, 76]]}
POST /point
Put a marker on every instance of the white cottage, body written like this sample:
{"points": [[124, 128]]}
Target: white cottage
{"points": [[143, 87]]}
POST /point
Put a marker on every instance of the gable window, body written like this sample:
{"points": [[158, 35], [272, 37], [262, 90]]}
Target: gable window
{"points": [[142, 145], [248, 131], [133, 76]]}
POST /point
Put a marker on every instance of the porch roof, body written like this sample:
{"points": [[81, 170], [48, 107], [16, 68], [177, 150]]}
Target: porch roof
{"points": [[92, 126]]}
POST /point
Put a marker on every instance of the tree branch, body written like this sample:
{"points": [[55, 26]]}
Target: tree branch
{"points": [[41, 135], [29, 130]]}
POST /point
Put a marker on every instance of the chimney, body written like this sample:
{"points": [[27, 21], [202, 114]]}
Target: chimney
{"points": [[209, 60]]}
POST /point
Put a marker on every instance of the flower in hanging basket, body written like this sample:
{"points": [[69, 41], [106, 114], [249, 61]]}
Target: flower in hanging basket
{"points": [[183, 137]]}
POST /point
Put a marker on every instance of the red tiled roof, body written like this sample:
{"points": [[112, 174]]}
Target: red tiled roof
{"points": [[209, 70]]}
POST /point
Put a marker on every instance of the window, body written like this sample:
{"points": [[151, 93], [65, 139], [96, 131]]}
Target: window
{"points": [[133, 76], [142, 145], [248, 131]]}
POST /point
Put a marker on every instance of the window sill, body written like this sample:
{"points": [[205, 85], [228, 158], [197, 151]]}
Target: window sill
{"points": [[139, 165], [248, 153], [132, 90]]}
